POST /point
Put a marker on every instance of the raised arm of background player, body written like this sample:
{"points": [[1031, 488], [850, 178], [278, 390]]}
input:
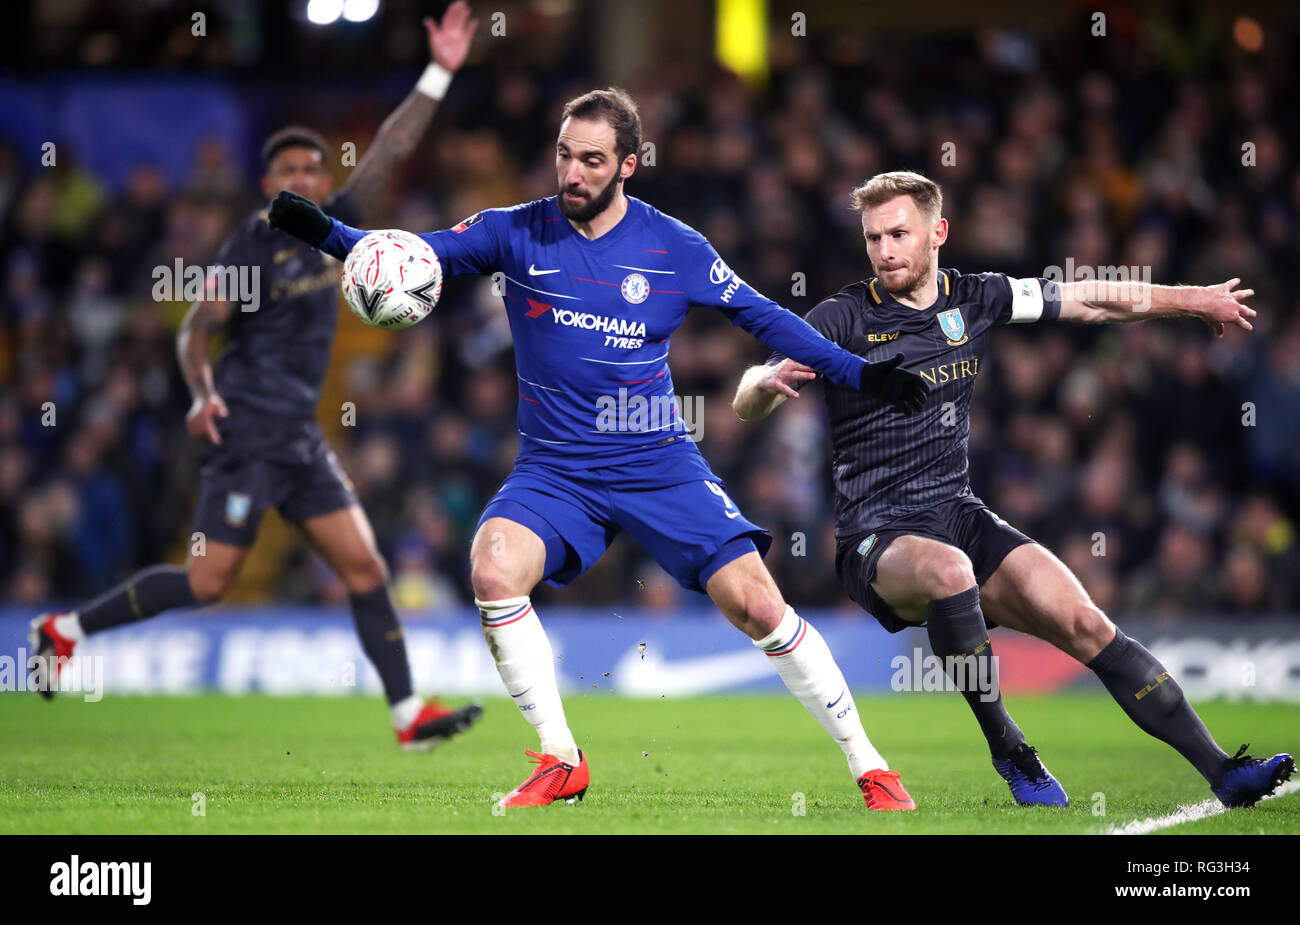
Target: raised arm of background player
{"points": [[396, 140], [401, 131], [763, 388]]}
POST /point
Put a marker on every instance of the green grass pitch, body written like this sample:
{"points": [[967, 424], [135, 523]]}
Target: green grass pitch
{"points": [[709, 765]]}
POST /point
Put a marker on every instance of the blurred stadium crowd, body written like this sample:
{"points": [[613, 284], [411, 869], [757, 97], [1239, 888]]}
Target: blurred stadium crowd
{"points": [[1162, 465]]}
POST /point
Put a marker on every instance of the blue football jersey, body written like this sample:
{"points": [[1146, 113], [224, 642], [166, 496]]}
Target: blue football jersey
{"points": [[592, 322]]}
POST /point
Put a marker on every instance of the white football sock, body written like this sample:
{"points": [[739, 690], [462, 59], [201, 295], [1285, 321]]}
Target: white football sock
{"points": [[526, 664], [68, 625], [804, 662], [406, 710]]}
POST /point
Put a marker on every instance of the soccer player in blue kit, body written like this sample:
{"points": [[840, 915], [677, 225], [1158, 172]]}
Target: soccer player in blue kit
{"points": [[256, 415], [915, 547], [595, 283]]}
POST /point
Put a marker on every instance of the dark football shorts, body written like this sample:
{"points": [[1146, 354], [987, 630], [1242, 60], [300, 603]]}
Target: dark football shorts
{"points": [[266, 461], [962, 522]]}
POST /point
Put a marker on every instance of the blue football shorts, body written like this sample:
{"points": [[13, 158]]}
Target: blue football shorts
{"points": [[690, 527]]}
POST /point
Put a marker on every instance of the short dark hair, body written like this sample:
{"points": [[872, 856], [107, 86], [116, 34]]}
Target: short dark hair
{"points": [[615, 107], [293, 136]]}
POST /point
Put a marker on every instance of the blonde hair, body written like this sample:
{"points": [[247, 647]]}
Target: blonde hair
{"points": [[885, 186]]}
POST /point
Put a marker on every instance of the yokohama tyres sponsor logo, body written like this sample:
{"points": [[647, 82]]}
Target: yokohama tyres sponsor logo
{"points": [[622, 327]]}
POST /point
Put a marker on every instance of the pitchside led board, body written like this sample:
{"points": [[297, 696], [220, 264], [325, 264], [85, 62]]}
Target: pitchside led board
{"points": [[314, 651]]}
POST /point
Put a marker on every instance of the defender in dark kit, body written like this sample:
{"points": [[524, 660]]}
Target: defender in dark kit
{"points": [[257, 414], [915, 546]]}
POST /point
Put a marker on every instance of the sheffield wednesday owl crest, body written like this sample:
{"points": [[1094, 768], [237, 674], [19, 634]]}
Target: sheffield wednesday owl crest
{"points": [[953, 326]]}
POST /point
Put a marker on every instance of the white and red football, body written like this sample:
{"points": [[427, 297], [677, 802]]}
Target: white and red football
{"points": [[392, 279]]}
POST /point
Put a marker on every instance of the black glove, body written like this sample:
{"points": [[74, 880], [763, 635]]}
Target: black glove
{"points": [[905, 391], [300, 217]]}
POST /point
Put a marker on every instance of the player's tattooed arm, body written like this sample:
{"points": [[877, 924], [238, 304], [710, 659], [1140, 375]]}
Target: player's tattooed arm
{"points": [[763, 388], [201, 321], [1102, 301], [401, 131]]}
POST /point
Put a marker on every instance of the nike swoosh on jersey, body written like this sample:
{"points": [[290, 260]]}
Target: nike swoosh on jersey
{"points": [[533, 271]]}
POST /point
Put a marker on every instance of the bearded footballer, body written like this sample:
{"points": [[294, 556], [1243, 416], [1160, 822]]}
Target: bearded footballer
{"points": [[915, 546]]}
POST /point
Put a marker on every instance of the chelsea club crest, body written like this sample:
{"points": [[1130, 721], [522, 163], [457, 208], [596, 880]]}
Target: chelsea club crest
{"points": [[635, 288], [953, 326]]}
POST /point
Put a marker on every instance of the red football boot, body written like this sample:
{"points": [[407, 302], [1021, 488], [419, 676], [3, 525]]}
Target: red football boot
{"points": [[435, 724], [48, 645], [884, 791], [553, 780]]}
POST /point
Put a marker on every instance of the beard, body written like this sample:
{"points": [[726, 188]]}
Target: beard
{"points": [[594, 205], [912, 281]]}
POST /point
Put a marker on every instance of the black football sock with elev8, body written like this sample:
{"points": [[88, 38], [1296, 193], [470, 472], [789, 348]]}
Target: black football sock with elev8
{"points": [[959, 637], [1154, 701], [145, 594], [383, 641]]}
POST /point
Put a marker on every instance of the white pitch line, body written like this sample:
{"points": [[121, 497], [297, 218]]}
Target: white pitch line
{"points": [[1190, 813]]}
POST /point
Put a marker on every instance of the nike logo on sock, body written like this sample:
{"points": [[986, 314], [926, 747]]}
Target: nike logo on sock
{"points": [[837, 699], [522, 692]]}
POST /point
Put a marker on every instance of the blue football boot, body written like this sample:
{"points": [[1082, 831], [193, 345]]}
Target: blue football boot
{"points": [[1031, 783], [1249, 779]]}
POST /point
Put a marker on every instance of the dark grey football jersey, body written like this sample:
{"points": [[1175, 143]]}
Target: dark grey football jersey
{"points": [[275, 358], [887, 464]]}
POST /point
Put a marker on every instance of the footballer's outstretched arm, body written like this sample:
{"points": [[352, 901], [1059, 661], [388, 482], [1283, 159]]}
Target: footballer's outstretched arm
{"points": [[203, 319], [1102, 301], [472, 247], [401, 131], [763, 388], [783, 330], [709, 281]]}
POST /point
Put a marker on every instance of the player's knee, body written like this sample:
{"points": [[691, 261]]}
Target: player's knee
{"points": [[1086, 627], [494, 580], [763, 611], [748, 596], [365, 574], [947, 573], [210, 585]]}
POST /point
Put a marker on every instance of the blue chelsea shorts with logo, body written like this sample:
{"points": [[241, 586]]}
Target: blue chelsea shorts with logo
{"points": [[673, 506]]}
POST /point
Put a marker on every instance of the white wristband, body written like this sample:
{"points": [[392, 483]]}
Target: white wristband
{"points": [[434, 81]]}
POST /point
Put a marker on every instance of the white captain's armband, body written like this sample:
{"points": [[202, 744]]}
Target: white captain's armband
{"points": [[1026, 300]]}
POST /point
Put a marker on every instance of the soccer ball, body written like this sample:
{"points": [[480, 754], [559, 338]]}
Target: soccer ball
{"points": [[392, 279]]}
